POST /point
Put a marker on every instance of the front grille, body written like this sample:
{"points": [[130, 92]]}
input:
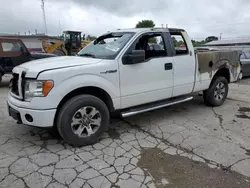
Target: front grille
{"points": [[14, 84]]}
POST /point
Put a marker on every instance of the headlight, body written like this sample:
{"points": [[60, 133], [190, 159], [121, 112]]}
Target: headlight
{"points": [[35, 88]]}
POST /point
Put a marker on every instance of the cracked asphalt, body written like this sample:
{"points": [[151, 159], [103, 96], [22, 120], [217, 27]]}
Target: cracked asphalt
{"points": [[186, 145]]}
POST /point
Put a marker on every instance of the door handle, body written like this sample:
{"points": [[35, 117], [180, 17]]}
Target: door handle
{"points": [[168, 66]]}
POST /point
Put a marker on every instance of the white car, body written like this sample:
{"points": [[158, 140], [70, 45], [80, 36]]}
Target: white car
{"points": [[117, 73]]}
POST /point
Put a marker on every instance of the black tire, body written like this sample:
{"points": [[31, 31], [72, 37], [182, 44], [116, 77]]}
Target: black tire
{"points": [[68, 111], [209, 95], [1, 77]]}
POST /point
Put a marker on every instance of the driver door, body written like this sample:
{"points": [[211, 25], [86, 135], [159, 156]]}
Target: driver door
{"points": [[148, 81]]}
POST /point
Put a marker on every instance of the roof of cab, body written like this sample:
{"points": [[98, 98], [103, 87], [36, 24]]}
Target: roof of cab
{"points": [[159, 29], [9, 38]]}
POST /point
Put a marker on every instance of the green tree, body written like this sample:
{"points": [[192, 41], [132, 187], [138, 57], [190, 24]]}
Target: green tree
{"points": [[90, 37], [145, 24], [152, 40], [198, 43], [174, 41], [179, 43]]}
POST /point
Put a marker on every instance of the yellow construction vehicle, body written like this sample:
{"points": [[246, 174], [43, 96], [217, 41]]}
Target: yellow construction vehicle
{"points": [[57, 48], [70, 44]]}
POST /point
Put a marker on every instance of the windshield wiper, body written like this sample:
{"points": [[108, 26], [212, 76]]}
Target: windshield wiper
{"points": [[87, 55]]}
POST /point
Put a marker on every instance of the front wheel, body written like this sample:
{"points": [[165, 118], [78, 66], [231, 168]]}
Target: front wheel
{"points": [[82, 120], [216, 94]]}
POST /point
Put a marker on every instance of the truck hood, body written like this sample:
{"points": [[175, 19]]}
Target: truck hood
{"points": [[33, 68], [37, 55]]}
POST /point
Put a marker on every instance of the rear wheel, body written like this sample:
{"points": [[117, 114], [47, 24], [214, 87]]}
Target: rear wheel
{"points": [[216, 94], [1, 77], [82, 120]]}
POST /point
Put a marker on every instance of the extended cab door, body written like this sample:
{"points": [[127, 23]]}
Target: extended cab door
{"points": [[150, 80], [14, 53], [184, 63]]}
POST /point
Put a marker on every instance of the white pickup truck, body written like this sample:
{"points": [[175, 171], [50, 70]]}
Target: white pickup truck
{"points": [[127, 71]]}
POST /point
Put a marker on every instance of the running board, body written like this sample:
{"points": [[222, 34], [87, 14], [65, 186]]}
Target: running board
{"points": [[154, 106]]}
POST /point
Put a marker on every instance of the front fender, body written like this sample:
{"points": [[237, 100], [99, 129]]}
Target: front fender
{"points": [[60, 90], [70, 84]]}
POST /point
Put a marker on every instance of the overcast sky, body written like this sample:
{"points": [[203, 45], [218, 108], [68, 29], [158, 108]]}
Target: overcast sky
{"points": [[199, 17]]}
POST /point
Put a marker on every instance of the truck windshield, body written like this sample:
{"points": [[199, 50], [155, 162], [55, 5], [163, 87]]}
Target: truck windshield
{"points": [[106, 46]]}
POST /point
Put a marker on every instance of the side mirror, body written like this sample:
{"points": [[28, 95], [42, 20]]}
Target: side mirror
{"points": [[136, 56]]}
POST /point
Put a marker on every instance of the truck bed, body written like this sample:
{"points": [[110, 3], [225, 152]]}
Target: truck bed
{"points": [[211, 61]]}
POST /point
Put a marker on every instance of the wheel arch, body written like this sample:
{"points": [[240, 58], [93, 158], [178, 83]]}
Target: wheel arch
{"points": [[222, 72], [90, 90]]}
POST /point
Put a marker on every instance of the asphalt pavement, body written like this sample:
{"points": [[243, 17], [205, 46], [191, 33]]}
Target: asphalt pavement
{"points": [[186, 145]]}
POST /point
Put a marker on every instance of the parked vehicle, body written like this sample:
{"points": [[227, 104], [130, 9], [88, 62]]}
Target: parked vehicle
{"points": [[245, 63], [70, 45], [13, 52], [117, 73]]}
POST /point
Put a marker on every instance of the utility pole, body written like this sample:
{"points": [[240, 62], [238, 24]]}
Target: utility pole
{"points": [[60, 28], [220, 36], [44, 17]]}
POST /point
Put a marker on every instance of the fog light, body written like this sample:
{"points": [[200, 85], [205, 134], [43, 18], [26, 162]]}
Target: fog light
{"points": [[29, 118]]}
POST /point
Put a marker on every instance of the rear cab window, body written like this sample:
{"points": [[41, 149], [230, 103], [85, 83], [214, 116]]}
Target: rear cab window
{"points": [[179, 42]]}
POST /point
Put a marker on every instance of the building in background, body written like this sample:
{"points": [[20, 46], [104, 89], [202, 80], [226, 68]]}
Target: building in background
{"points": [[234, 44]]}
